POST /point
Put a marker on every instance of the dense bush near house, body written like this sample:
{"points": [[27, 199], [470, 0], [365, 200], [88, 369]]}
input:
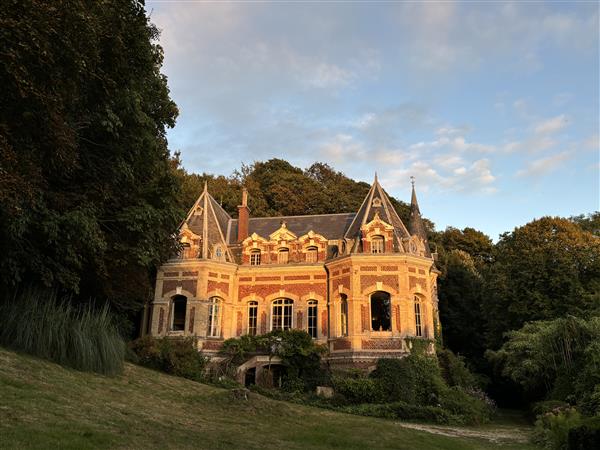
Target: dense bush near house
{"points": [[175, 356], [358, 390], [552, 428], [454, 371], [586, 435], [414, 379], [84, 338]]}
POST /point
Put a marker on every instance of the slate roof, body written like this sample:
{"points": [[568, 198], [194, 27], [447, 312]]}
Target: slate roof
{"points": [[331, 226]]}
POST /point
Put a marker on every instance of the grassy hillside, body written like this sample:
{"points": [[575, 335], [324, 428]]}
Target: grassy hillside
{"points": [[43, 405]]}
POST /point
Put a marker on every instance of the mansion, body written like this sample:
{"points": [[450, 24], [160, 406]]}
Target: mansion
{"points": [[360, 282]]}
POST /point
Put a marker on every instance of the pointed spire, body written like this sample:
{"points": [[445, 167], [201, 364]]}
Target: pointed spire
{"points": [[205, 190], [415, 224], [375, 180]]}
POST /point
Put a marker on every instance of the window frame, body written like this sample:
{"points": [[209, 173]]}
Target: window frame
{"points": [[343, 315], [312, 328], [252, 322], [215, 308], [378, 244], [178, 299], [283, 251], [282, 311], [418, 317], [312, 254], [255, 257]]}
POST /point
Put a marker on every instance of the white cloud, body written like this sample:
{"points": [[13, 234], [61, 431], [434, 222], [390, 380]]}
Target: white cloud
{"points": [[543, 166], [551, 125]]}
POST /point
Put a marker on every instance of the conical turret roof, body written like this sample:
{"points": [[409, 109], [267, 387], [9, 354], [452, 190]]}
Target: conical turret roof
{"points": [[415, 223], [377, 201]]}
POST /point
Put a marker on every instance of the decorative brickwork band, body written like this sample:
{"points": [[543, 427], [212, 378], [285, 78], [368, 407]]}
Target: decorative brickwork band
{"points": [[192, 314], [299, 320], [324, 323], [342, 344], [397, 311], [161, 319], [239, 323], [382, 344], [212, 345], [263, 322]]}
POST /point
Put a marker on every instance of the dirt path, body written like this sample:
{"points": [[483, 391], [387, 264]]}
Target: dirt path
{"points": [[496, 435]]}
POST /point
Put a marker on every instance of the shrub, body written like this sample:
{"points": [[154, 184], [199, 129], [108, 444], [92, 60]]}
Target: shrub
{"points": [[552, 428], [402, 411], [586, 435], [358, 390], [84, 338], [414, 379], [454, 371], [466, 407], [175, 356]]}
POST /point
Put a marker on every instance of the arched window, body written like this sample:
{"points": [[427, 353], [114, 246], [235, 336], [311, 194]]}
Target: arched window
{"points": [[283, 255], [377, 244], [252, 318], [418, 328], [214, 317], [312, 254], [381, 311], [312, 318], [344, 315], [179, 307], [281, 316], [255, 257]]}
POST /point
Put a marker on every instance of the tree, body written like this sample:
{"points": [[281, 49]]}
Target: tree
{"points": [[543, 270], [87, 193]]}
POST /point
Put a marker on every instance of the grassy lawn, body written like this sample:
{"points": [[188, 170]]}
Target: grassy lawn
{"points": [[43, 405]]}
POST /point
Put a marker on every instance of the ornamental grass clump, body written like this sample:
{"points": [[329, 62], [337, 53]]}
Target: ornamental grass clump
{"points": [[81, 337]]}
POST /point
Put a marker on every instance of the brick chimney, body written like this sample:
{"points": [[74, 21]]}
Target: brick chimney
{"points": [[243, 216]]}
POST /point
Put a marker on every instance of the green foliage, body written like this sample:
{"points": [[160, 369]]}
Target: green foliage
{"points": [[88, 198], [552, 428], [358, 390], [454, 371], [586, 435], [299, 354], [414, 379], [40, 323], [175, 356], [404, 411], [558, 358], [543, 270], [588, 222]]}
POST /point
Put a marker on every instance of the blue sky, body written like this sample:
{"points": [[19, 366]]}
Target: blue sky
{"points": [[492, 106]]}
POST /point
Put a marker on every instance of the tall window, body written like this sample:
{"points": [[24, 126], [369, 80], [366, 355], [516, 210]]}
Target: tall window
{"points": [[281, 317], [283, 256], [311, 254], [312, 318], [214, 317], [418, 328], [381, 311], [377, 244], [344, 315], [255, 258], [252, 318], [178, 313]]}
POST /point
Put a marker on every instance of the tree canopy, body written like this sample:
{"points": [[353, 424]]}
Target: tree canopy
{"points": [[87, 192]]}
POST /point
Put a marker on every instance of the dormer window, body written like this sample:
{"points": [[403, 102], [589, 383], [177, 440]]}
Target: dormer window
{"points": [[311, 254], [219, 255], [255, 258], [377, 244], [283, 256]]}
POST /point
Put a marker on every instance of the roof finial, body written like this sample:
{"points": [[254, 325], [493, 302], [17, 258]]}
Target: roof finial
{"points": [[375, 178], [412, 181], [205, 186]]}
